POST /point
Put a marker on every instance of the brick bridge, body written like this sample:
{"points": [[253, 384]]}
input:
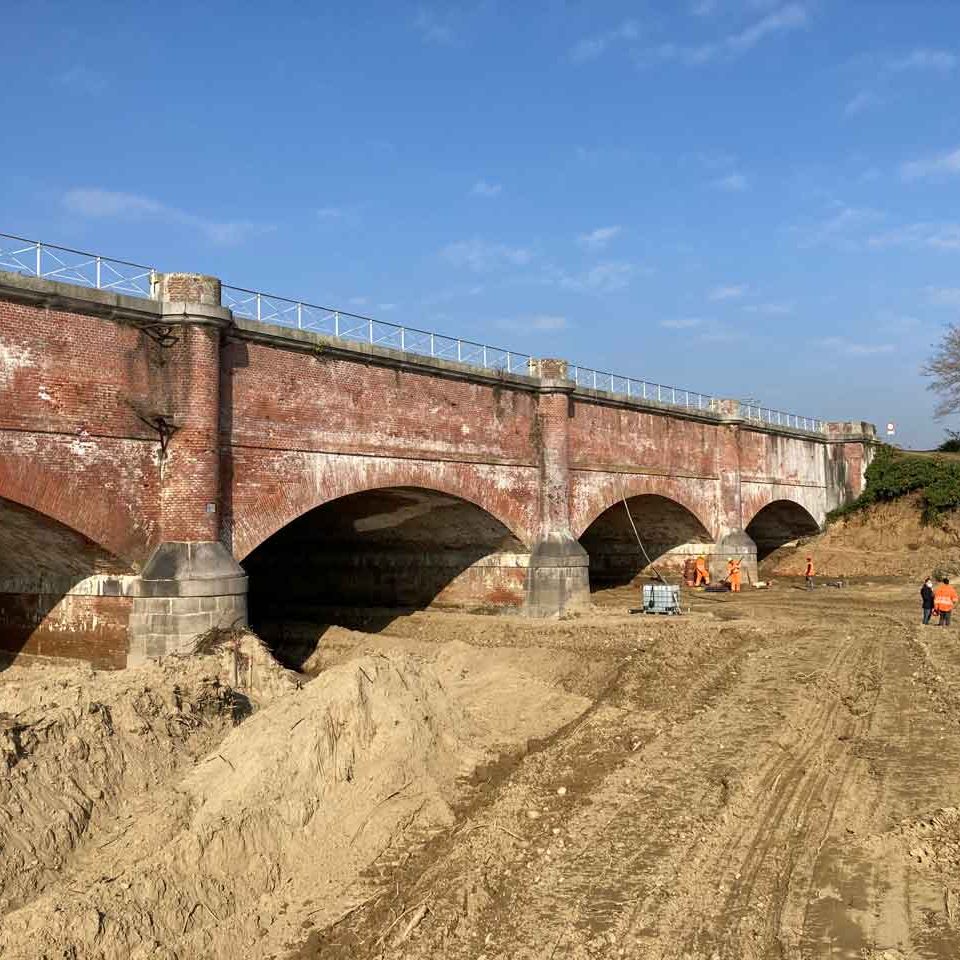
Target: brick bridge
{"points": [[158, 456]]}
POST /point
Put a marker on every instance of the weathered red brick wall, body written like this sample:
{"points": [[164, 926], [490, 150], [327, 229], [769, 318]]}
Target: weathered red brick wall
{"points": [[307, 429]]}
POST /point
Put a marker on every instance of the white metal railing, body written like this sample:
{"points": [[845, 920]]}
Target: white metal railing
{"points": [[641, 389], [777, 418], [49, 262], [298, 315]]}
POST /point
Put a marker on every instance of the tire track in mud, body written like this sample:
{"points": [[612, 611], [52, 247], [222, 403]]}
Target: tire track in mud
{"points": [[495, 844]]}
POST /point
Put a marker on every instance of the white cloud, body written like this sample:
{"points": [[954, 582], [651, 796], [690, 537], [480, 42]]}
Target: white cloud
{"points": [[862, 102], [592, 47], [731, 292], [359, 301], [546, 321], [433, 28], [386, 307], [599, 238], [484, 257], [939, 165], [703, 8], [331, 213], [944, 296], [721, 335], [789, 17], [681, 323], [97, 203], [931, 235], [731, 183], [854, 349], [940, 61], [483, 188], [605, 277]]}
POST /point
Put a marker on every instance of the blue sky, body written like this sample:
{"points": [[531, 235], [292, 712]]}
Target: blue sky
{"points": [[743, 197]]}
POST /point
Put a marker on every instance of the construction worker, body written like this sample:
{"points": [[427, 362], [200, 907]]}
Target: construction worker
{"points": [[733, 574], [701, 574], [808, 573], [944, 600]]}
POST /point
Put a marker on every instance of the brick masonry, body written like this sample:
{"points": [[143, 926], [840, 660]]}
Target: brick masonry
{"points": [[230, 433]]}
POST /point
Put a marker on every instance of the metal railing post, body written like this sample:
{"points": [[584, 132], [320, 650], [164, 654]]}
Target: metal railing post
{"points": [[336, 323], [258, 308], [299, 316], [370, 325], [39, 256], [403, 339], [98, 273], [432, 350]]}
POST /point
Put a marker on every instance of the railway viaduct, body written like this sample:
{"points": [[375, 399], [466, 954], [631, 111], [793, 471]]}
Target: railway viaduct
{"points": [[162, 457]]}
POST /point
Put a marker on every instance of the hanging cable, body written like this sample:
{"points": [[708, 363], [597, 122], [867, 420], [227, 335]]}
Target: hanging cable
{"points": [[643, 550]]}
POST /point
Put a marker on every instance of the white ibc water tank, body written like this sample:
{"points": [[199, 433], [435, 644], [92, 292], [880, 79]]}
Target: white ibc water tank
{"points": [[661, 598]]}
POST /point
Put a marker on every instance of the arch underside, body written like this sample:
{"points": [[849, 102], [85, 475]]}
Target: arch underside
{"points": [[361, 558], [61, 594], [778, 523], [668, 531]]}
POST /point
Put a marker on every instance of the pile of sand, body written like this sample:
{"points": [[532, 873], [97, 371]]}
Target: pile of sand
{"points": [[238, 851], [885, 539]]}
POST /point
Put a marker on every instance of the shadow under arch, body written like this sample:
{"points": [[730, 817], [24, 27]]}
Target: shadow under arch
{"points": [[362, 559], [663, 525], [778, 523], [61, 594]]}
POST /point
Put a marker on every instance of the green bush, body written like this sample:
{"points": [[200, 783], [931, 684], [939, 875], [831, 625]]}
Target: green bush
{"points": [[894, 474]]}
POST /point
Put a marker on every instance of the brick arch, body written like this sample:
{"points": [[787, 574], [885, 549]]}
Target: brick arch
{"points": [[756, 497], [70, 498], [780, 521], [310, 481], [589, 503]]}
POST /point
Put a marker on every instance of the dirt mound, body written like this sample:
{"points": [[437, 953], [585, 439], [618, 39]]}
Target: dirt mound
{"points": [[885, 539], [286, 811], [73, 743]]}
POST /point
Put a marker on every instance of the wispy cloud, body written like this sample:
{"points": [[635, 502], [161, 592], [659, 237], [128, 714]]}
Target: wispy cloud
{"points": [[731, 183], [598, 239], [82, 80], [770, 309], [729, 292], [844, 228], [944, 296], [861, 103], [703, 8], [536, 323], [483, 188], [605, 277], [482, 256], [940, 61], [931, 235], [98, 203], [359, 301], [789, 17], [854, 349], [590, 48], [434, 27], [942, 164], [681, 323]]}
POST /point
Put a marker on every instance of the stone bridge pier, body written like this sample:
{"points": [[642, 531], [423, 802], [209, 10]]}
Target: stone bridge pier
{"points": [[168, 465]]}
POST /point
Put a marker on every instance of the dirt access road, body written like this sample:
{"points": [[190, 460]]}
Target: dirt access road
{"points": [[776, 775]]}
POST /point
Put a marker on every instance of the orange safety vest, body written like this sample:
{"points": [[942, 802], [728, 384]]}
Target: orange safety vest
{"points": [[809, 572], [944, 598]]}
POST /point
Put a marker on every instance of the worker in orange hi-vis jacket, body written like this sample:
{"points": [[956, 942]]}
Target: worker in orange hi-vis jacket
{"points": [[808, 573], [701, 574], [733, 574], [944, 600]]}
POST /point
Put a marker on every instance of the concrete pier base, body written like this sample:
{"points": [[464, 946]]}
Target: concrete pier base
{"points": [[186, 588], [558, 578]]}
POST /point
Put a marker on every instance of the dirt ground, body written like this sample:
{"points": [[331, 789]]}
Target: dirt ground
{"points": [[773, 774]]}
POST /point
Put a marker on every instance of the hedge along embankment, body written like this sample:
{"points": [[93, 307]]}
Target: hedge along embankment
{"points": [[895, 473]]}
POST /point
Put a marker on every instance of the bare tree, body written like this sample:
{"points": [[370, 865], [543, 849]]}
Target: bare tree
{"points": [[943, 368]]}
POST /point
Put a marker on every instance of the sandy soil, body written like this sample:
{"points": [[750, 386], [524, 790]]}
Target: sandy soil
{"points": [[886, 539], [774, 774]]}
